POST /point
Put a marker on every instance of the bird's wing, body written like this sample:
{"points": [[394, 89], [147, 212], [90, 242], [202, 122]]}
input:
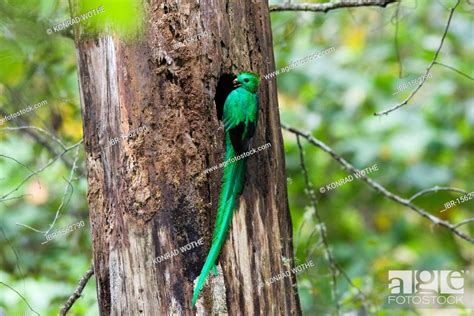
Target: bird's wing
{"points": [[233, 114], [235, 120]]}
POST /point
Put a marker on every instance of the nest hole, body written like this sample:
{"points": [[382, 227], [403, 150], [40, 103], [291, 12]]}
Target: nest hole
{"points": [[224, 87]]}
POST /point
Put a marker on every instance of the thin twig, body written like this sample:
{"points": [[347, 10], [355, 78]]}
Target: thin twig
{"points": [[18, 263], [412, 94], [334, 266], [57, 140], [435, 189], [314, 247], [22, 297], [322, 230], [14, 198], [396, 18], [360, 292], [464, 222], [454, 69], [77, 293], [328, 6], [28, 130], [69, 185], [21, 164], [41, 169], [397, 45], [29, 227], [378, 187]]}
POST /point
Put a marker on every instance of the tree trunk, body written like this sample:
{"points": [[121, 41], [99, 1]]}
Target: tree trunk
{"points": [[148, 194]]}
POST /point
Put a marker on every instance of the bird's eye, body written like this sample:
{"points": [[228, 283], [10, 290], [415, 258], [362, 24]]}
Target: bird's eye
{"points": [[246, 80]]}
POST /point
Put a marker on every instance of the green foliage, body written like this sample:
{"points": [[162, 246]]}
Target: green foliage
{"points": [[426, 143], [36, 66], [122, 17]]}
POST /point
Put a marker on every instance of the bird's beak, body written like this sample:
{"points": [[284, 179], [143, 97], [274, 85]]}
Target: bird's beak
{"points": [[236, 83]]}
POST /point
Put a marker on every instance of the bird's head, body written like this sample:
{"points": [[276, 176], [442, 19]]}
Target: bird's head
{"points": [[247, 80]]}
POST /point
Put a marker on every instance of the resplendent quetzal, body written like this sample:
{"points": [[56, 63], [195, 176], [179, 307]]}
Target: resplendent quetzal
{"points": [[240, 119]]}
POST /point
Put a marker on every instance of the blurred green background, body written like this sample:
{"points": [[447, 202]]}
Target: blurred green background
{"points": [[429, 142]]}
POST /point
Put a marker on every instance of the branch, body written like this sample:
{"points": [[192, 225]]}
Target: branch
{"points": [[412, 94], [378, 187], [322, 230], [22, 297], [334, 266], [41, 169], [21, 164], [464, 222], [39, 129], [24, 126], [17, 263], [396, 17], [28, 130], [397, 45], [435, 189], [455, 70], [328, 6], [77, 293], [69, 185]]}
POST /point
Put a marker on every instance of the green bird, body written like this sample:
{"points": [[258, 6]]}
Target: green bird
{"points": [[240, 119]]}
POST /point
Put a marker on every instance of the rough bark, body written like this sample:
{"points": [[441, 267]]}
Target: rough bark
{"points": [[148, 194]]}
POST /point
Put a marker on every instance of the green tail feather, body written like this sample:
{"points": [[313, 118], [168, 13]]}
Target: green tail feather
{"points": [[232, 185]]}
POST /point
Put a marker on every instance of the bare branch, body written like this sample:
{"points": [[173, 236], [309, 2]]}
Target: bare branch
{"points": [[22, 297], [333, 265], [378, 187], [322, 230], [18, 263], [397, 45], [435, 189], [21, 164], [57, 140], [24, 126], [28, 130], [328, 6], [466, 221], [455, 70], [412, 94], [32, 228], [69, 185], [14, 198], [397, 17], [41, 169], [77, 293]]}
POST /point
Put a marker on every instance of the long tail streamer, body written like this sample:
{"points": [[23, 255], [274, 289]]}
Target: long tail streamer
{"points": [[232, 184]]}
